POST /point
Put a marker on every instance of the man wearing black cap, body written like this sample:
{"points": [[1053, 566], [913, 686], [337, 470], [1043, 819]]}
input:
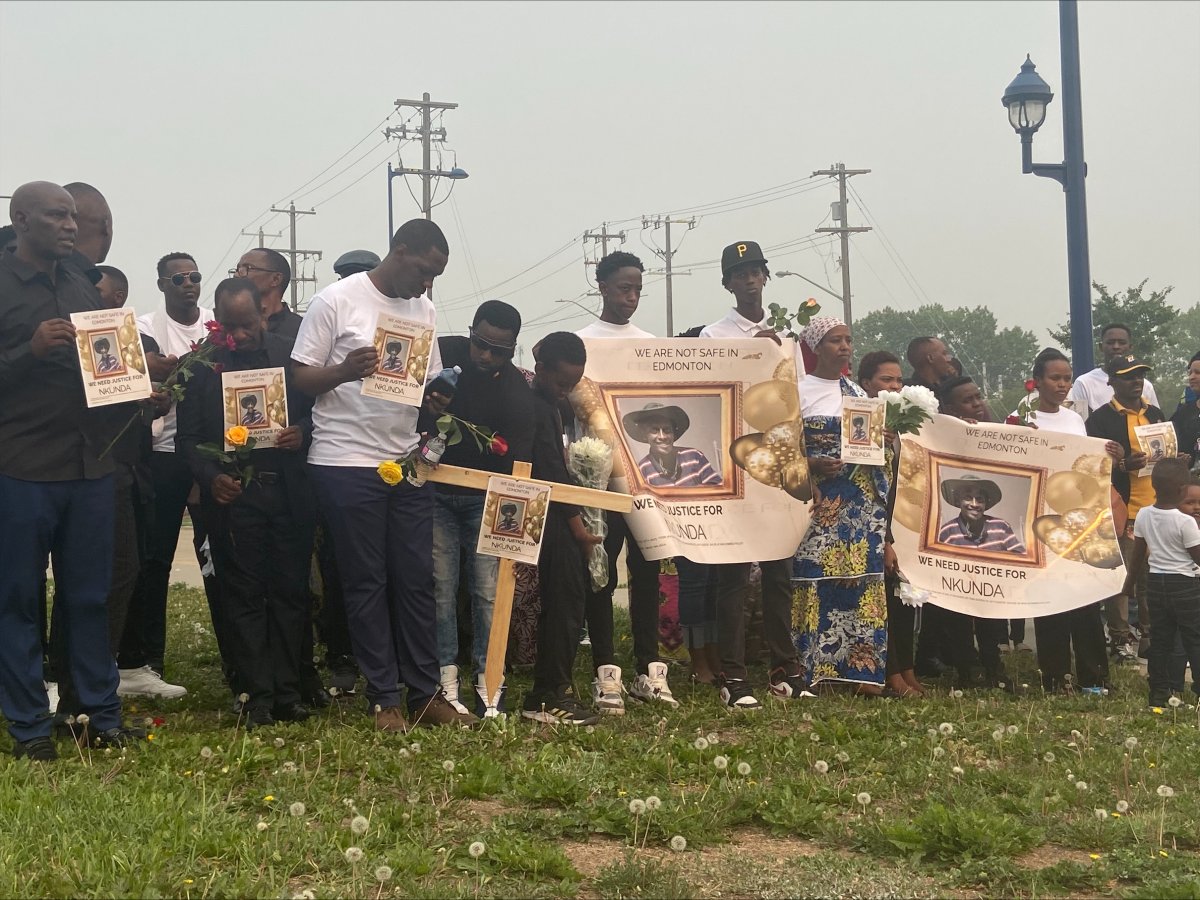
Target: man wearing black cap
{"points": [[354, 261], [744, 273], [1116, 421]]}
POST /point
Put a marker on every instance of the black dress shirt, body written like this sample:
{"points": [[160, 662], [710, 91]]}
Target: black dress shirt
{"points": [[285, 323], [549, 460], [1187, 429], [47, 432]]}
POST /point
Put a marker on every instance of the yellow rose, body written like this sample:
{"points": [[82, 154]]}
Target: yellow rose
{"points": [[390, 471], [238, 435]]}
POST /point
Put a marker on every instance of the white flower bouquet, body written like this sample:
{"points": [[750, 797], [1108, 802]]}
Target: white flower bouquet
{"points": [[908, 408], [590, 460]]}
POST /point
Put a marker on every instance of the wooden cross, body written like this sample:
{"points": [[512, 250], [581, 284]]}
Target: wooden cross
{"points": [[506, 581]]}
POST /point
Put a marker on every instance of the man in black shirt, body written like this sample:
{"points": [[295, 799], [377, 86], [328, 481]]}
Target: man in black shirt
{"points": [[492, 394], [560, 362], [56, 492], [262, 532], [270, 273]]}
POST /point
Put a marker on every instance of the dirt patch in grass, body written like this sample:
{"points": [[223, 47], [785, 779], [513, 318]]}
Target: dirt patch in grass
{"points": [[1049, 854]]}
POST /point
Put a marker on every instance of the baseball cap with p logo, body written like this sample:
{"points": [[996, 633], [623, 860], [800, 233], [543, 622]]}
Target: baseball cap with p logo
{"points": [[736, 255]]}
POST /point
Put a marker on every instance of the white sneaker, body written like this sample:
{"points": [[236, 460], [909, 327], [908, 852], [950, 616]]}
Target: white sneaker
{"points": [[607, 690], [653, 686], [483, 709], [450, 688], [52, 695], [145, 682]]}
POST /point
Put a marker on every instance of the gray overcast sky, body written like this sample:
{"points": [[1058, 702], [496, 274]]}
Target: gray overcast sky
{"points": [[193, 118]]}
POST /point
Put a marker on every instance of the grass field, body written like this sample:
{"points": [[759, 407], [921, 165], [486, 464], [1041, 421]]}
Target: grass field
{"points": [[986, 794]]}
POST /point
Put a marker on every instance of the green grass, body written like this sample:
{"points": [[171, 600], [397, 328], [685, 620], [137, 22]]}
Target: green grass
{"points": [[181, 815]]}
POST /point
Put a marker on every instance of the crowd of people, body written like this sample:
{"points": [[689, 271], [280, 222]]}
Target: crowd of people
{"points": [[316, 543]]}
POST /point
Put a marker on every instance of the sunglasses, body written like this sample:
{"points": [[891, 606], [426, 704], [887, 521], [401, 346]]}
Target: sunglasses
{"points": [[497, 349], [180, 277], [247, 269]]}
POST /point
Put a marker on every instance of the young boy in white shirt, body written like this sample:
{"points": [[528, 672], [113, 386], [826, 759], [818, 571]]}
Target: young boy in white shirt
{"points": [[1168, 532]]}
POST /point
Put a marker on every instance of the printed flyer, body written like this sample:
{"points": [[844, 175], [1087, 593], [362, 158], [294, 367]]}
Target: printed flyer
{"points": [[1003, 521], [256, 399], [403, 347], [862, 430], [707, 438], [1158, 441], [110, 356], [514, 516]]}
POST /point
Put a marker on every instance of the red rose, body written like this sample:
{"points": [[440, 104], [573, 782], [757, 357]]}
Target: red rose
{"points": [[1013, 420], [195, 346], [1030, 385], [497, 445], [213, 326]]}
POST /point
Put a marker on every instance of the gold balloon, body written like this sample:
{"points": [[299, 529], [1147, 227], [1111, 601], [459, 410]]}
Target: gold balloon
{"points": [[1043, 525], [1071, 490], [127, 334], [1101, 554], [1076, 521], [769, 403], [795, 479], [786, 370], [910, 508], [1059, 539], [913, 458], [1107, 530], [1095, 465], [274, 392], [762, 465], [787, 434]]}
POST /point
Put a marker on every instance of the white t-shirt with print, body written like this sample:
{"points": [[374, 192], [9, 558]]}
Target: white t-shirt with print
{"points": [[349, 429], [176, 340], [600, 329], [1168, 534]]}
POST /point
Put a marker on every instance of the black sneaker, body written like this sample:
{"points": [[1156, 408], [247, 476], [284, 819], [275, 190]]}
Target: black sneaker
{"points": [[789, 687], [39, 749], [563, 710], [737, 694], [117, 737], [258, 717], [343, 675]]}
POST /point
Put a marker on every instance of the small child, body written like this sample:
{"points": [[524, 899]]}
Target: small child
{"points": [[1169, 532]]}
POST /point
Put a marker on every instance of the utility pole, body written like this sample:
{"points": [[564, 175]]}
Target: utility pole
{"points": [[667, 254], [262, 238], [841, 173], [601, 237], [297, 255], [427, 134]]}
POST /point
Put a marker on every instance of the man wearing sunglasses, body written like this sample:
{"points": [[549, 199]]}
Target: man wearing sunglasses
{"points": [[493, 394], [269, 271], [175, 327]]}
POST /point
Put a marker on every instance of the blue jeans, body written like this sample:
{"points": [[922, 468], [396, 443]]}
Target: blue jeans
{"points": [[72, 521], [456, 522], [697, 602], [1174, 603]]}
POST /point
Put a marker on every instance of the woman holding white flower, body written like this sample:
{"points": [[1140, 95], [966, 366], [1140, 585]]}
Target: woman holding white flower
{"points": [[839, 608]]}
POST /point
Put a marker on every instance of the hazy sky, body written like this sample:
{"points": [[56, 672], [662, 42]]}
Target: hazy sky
{"points": [[193, 118]]}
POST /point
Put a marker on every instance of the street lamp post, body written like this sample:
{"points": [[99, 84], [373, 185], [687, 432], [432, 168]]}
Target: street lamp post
{"points": [[427, 176], [1026, 99]]}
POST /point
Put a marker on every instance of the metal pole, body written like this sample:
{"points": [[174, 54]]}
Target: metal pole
{"points": [[1079, 279], [391, 228], [292, 212], [845, 236], [667, 259], [426, 178]]}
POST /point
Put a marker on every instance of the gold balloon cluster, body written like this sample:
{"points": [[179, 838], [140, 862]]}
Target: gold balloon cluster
{"points": [[774, 455], [589, 409], [418, 355], [129, 345], [535, 514], [913, 485], [1083, 531], [275, 412]]}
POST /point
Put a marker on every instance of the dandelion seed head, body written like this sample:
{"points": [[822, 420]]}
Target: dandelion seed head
{"points": [[903, 744], [1076, 735], [946, 729], [806, 717], [448, 765], [296, 809], [347, 802], [998, 734], [1012, 729], [206, 753], [1122, 806], [1048, 756], [590, 729], [1130, 743], [84, 718], [815, 738], [477, 849], [956, 694], [932, 732], [864, 799], [653, 803], [402, 753], [721, 762], [383, 873], [713, 738], [1174, 703], [415, 746], [842, 756], [743, 768], [359, 825], [679, 843], [957, 770], [279, 743], [1081, 786], [1165, 791], [243, 697], [939, 752], [637, 807], [1100, 814], [261, 825], [289, 767], [354, 855], [700, 743], [821, 766]]}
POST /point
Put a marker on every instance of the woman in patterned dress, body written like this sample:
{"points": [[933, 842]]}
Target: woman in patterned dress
{"points": [[839, 605]]}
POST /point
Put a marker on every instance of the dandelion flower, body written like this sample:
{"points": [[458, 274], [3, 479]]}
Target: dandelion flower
{"points": [[713, 739], [206, 753], [932, 732], [354, 855], [842, 756], [700, 743], [864, 799], [998, 734], [957, 770], [1012, 729], [721, 762], [383, 873], [590, 729], [1081, 785], [743, 768], [946, 729], [1174, 703], [1122, 806], [956, 694], [939, 752], [1048, 756], [348, 802], [448, 765], [903, 745], [815, 738], [637, 807], [83, 718], [279, 743], [653, 803], [296, 809], [679, 843], [261, 825], [359, 825], [806, 717], [1130, 743], [243, 698], [402, 753], [1076, 735], [821, 766], [415, 746], [268, 798], [1165, 791], [289, 767], [478, 848], [1100, 814]]}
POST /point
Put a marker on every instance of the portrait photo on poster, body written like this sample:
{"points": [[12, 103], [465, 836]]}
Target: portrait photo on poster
{"points": [[105, 361], [510, 519], [393, 352], [983, 510], [675, 440], [252, 408]]}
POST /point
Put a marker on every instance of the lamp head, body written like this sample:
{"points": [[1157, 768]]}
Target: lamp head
{"points": [[1026, 98]]}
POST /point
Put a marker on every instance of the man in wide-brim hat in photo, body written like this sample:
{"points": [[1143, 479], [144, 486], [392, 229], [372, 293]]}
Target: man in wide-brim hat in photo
{"points": [[973, 527], [666, 465]]}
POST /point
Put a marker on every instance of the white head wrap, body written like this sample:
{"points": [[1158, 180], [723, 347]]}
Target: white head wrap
{"points": [[817, 328]]}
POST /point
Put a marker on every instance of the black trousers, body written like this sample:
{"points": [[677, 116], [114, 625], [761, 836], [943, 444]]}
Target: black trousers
{"points": [[562, 576], [901, 638], [733, 590], [261, 551], [643, 600], [1081, 630], [1174, 604], [962, 633], [331, 620], [933, 641]]}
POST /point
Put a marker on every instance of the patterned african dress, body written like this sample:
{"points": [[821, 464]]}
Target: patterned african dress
{"points": [[839, 605]]}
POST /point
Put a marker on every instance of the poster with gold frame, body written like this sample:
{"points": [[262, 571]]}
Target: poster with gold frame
{"points": [[514, 519], [257, 400], [404, 347], [706, 436], [1002, 521], [111, 359]]}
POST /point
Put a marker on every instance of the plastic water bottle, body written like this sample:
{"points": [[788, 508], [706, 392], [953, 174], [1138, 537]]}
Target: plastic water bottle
{"points": [[446, 382], [1093, 691], [427, 457]]}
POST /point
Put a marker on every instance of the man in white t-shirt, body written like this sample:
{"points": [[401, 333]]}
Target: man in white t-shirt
{"points": [[1091, 390], [619, 278], [744, 274], [382, 533], [175, 328]]}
